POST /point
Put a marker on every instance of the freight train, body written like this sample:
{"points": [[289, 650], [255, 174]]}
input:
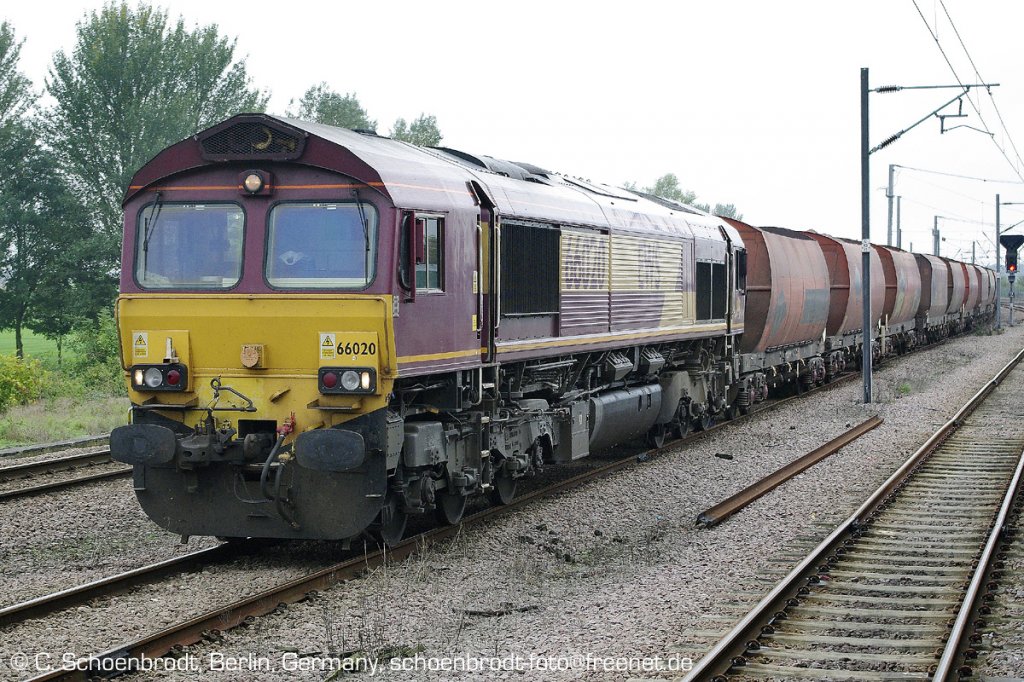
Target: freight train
{"points": [[326, 331]]}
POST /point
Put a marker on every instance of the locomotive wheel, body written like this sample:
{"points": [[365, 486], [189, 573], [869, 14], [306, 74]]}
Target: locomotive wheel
{"points": [[449, 507], [704, 421], [504, 490], [657, 435], [389, 526], [680, 427]]}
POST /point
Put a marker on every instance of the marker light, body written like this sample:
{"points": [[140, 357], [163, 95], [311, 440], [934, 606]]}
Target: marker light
{"points": [[350, 380], [163, 377], [253, 183], [345, 380]]}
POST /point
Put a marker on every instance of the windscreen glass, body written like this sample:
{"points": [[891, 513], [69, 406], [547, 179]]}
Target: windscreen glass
{"points": [[189, 246], [321, 245]]}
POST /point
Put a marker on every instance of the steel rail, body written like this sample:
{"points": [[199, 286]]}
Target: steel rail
{"points": [[955, 651], [53, 466], [232, 615], [716, 663], [242, 611], [66, 483], [120, 583], [49, 466], [723, 510], [44, 448]]}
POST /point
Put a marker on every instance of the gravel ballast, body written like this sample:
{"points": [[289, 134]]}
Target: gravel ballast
{"points": [[614, 569]]}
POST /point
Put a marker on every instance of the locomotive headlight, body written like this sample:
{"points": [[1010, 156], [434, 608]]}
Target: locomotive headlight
{"points": [[364, 381], [253, 183], [153, 377], [350, 380], [138, 377]]}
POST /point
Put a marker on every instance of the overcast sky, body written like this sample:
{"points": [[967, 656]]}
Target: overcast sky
{"points": [[750, 102]]}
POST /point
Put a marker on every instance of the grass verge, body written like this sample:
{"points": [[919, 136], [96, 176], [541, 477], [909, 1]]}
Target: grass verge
{"points": [[52, 419]]}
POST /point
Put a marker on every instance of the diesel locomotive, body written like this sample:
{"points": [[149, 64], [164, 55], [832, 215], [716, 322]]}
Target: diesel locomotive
{"points": [[325, 331]]}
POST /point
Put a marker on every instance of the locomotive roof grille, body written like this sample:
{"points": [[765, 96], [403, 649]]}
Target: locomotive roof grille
{"points": [[254, 139]]}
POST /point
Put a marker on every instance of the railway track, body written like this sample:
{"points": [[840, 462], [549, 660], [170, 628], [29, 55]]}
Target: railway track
{"points": [[44, 448], [56, 466], [123, 582], [894, 592], [232, 615]]}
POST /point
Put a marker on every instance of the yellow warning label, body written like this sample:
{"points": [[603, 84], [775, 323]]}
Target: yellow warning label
{"points": [[328, 348], [140, 344]]}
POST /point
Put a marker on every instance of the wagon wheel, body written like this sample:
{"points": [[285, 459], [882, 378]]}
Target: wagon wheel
{"points": [[704, 421], [389, 526], [504, 489], [680, 426], [449, 507], [657, 435]]}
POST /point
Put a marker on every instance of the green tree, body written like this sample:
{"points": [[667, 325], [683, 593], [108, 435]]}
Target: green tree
{"points": [[16, 96], [423, 131], [47, 236], [727, 211], [323, 105], [667, 187], [134, 83], [74, 290]]}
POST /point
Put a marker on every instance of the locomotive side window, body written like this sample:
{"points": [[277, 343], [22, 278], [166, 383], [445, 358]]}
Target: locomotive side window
{"points": [[430, 269], [189, 246], [741, 269], [320, 245]]}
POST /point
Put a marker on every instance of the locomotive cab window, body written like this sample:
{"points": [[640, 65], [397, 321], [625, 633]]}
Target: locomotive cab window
{"points": [[321, 245], [189, 246], [430, 266], [741, 269]]}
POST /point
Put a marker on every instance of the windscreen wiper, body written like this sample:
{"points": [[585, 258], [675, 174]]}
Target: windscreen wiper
{"points": [[366, 238], [154, 215]]}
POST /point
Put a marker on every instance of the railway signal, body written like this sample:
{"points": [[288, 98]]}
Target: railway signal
{"points": [[1011, 242]]}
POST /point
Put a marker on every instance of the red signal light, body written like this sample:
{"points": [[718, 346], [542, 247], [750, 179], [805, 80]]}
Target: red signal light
{"points": [[173, 377], [330, 379]]}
